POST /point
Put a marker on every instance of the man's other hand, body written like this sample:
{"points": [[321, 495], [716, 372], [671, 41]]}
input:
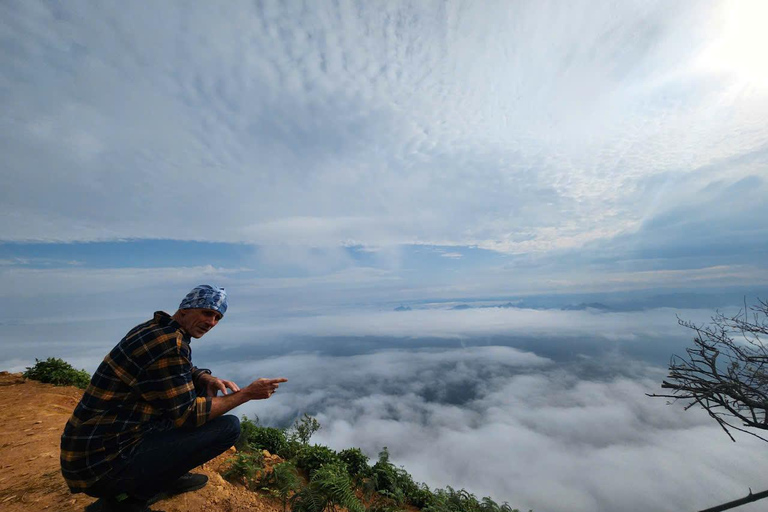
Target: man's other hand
{"points": [[214, 384], [262, 388]]}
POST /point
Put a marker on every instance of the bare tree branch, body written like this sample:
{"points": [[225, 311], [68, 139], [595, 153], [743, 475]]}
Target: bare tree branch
{"points": [[726, 371], [749, 498]]}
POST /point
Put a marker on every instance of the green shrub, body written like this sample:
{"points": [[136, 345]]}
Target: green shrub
{"points": [[58, 372], [245, 467], [255, 437], [303, 429], [247, 430], [356, 462], [329, 487], [488, 505], [292, 449], [312, 458], [419, 495], [284, 478], [452, 500], [332, 475], [385, 478], [397, 484], [384, 507]]}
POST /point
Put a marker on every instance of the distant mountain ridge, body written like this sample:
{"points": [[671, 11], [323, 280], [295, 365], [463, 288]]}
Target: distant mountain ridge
{"points": [[607, 302]]}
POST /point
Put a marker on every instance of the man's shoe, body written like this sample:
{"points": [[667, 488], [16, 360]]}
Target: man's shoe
{"points": [[119, 503], [185, 483]]}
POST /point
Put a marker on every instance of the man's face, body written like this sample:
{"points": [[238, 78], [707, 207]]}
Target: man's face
{"points": [[198, 321]]}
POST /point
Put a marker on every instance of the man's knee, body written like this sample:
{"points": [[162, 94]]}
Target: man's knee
{"points": [[230, 428]]}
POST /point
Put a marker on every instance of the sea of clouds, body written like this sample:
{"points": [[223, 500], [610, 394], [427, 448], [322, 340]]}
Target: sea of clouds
{"points": [[545, 409]]}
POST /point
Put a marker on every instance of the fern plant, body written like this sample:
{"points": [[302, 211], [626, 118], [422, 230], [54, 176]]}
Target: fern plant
{"points": [[245, 468], [330, 487], [284, 479]]}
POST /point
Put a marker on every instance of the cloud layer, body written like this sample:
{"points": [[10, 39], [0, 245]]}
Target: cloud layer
{"points": [[516, 426], [509, 126], [543, 408]]}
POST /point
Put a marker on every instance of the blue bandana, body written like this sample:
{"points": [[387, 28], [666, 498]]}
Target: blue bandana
{"points": [[206, 297]]}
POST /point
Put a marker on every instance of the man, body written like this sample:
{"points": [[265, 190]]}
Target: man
{"points": [[149, 416]]}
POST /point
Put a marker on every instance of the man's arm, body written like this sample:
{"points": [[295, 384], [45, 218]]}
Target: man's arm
{"points": [[257, 390], [212, 385]]}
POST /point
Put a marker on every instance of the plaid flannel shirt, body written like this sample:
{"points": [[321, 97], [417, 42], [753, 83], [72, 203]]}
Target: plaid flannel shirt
{"points": [[147, 382]]}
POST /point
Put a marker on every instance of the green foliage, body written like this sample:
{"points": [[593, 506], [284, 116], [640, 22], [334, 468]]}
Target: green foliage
{"points": [[384, 507], [418, 495], [356, 462], [396, 483], [452, 500], [255, 437], [383, 473], [332, 474], [292, 450], [303, 428], [311, 458], [329, 487], [284, 478], [488, 505], [58, 372], [247, 430], [245, 468]]}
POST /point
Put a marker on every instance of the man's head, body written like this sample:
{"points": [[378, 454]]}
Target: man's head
{"points": [[201, 309]]}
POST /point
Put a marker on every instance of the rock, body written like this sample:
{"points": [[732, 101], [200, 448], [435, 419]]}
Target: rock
{"points": [[9, 379]]}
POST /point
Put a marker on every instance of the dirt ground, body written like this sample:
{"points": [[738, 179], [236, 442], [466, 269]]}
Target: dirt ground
{"points": [[32, 417]]}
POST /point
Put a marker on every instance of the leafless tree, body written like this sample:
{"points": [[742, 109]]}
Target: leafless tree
{"points": [[726, 371]]}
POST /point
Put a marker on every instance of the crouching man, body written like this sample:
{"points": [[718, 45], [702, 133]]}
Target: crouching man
{"points": [[149, 416]]}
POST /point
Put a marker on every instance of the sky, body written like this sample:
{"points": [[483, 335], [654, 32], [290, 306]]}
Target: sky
{"points": [[328, 162]]}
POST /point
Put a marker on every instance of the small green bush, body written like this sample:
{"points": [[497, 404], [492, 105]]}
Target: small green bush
{"points": [[385, 476], [356, 462], [419, 495], [328, 489], [245, 467], [312, 458], [58, 372], [333, 476], [303, 429], [397, 484], [284, 479], [453, 500], [255, 437], [292, 450]]}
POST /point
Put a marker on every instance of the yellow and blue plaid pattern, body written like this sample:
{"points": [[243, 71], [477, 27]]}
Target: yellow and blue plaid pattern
{"points": [[145, 383]]}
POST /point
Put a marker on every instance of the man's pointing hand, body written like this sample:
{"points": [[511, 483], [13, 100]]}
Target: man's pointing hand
{"points": [[262, 388]]}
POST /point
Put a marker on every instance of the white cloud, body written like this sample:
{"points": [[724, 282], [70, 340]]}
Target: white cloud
{"points": [[508, 424], [576, 433], [456, 324], [29, 282], [513, 127]]}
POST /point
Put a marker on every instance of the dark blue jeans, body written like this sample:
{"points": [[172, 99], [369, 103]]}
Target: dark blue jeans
{"points": [[163, 456]]}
